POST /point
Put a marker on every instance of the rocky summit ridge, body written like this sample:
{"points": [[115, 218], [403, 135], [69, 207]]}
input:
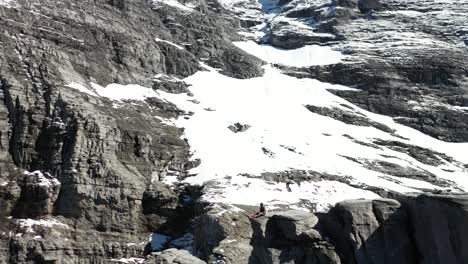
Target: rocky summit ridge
{"points": [[146, 131]]}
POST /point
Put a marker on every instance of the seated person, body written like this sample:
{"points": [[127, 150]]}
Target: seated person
{"points": [[261, 212]]}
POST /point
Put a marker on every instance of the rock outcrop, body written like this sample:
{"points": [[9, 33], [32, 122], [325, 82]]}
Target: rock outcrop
{"points": [[96, 164], [281, 237], [415, 229]]}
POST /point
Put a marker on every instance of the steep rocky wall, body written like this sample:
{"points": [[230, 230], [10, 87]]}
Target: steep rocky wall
{"points": [[106, 157]]}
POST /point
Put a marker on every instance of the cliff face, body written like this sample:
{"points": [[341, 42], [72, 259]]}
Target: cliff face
{"points": [[90, 164], [415, 229], [133, 126]]}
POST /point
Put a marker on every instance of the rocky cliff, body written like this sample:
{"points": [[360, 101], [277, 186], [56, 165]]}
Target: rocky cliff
{"points": [[144, 131], [412, 229]]}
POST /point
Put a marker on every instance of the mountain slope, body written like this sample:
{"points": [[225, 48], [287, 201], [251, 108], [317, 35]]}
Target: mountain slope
{"points": [[132, 126]]}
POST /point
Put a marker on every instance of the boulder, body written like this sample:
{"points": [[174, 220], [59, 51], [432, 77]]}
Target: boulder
{"points": [[291, 224], [366, 231]]}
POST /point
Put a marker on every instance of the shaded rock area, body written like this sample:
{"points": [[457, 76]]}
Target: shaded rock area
{"points": [[413, 229]]}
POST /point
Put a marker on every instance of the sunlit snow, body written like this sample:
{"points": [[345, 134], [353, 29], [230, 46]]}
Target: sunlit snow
{"points": [[306, 56], [29, 223], [173, 3], [295, 138]]}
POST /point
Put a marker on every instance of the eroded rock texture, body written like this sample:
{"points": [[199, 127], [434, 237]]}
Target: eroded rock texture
{"points": [[415, 229], [100, 163]]}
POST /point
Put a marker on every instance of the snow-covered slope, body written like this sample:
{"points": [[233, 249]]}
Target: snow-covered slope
{"points": [[291, 142], [257, 139]]}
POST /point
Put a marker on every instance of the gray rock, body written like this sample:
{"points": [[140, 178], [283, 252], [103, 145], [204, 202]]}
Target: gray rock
{"points": [[39, 192], [291, 224], [106, 158], [375, 231], [285, 235], [173, 256], [367, 5]]}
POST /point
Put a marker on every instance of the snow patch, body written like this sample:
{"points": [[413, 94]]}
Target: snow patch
{"points": [[174, 3], [81, 88], [28, 224], [121, 92], [274, 106], [302, 57], [129, 260], [170, 43]]}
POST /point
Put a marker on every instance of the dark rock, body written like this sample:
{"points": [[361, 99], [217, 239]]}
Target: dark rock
{"points": [[39, 191], [439, 224], [160, 200], [238, 127], [348, 116], [347, 3], [371, 232]]}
